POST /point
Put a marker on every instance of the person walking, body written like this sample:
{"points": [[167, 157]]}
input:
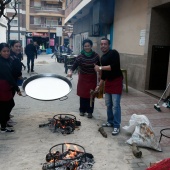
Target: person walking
{"points": [[112, 75], [87, 76], [55, 50], [7, 83], [31, 52]]}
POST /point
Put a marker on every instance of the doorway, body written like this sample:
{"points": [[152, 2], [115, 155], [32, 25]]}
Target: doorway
{"points": [[159, 67]]}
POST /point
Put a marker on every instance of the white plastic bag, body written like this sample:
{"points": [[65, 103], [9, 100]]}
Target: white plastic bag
{"points": [[134, 121], [143, 134]]}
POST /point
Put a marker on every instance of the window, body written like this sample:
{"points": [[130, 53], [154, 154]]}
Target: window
{"points": [[14, 22]]}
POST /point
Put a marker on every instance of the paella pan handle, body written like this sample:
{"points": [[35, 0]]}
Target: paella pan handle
{"points": [[71, 78], [24, 94], [63, 98]]}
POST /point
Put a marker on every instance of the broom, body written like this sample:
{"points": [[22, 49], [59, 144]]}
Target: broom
{"points": [[156, 106]]}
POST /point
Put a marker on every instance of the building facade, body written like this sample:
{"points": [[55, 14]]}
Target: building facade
{"points": [[138, 30], [38, 20]]}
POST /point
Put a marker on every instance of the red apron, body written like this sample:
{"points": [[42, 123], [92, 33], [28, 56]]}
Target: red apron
{"points": [[86, 82], [114, 86]]}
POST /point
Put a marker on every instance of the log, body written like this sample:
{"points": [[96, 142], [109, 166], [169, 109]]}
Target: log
{"points": [[136, 152], [101, 130]]}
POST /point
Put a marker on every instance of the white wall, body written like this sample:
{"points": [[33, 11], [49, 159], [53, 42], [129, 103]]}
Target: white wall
{"points": [[2, 34]]}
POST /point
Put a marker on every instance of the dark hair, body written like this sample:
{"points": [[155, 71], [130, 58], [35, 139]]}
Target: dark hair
{"points": [[3, 45], [87, 41], [106, 40], [13, 42]]}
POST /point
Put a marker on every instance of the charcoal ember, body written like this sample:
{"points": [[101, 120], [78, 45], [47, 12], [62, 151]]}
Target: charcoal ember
{"points": [[52, 165], [52, 156], [78, 123]]}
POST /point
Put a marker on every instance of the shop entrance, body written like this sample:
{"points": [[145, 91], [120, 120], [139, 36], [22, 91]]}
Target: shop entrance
{"points": [[159, 50], [42, 41]]}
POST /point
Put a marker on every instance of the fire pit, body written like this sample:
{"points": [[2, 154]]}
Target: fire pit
{"points": [[68, 156], [63, 123]]}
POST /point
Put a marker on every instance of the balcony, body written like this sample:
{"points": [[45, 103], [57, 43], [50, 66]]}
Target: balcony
{"points": [[46, 11], [42, 28]]}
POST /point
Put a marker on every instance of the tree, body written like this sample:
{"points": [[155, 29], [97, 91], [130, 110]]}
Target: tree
{"points": [[13, 4], [3, 3]]}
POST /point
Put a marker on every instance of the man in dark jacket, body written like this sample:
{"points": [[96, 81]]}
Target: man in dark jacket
{"points": [[31, 52]]}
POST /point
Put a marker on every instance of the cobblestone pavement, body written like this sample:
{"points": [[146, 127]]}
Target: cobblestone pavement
{"points": [[132, 102]]}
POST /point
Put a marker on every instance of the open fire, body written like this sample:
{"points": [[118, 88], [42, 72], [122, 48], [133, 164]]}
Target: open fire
{"points": [[68, 156], [64, 123]]}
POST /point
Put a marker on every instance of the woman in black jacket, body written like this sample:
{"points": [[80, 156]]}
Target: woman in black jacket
{"points": [[7, 83]]}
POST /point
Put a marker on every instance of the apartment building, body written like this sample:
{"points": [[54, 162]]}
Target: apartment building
{"points": [[139, 30], [38, 20]]}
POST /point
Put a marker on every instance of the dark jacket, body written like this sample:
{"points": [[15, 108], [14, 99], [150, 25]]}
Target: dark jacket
{"points": [[111, 58], [16, 65], [30, 51], [7, 81]]}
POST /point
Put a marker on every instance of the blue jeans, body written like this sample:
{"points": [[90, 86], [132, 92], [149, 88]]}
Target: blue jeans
{"points": [[113, 109]]}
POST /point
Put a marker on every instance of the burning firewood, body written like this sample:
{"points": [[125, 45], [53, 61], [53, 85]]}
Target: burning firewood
{"points": [[101, 130], [136, 152]]}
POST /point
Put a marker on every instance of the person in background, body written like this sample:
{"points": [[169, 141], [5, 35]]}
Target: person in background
{"points": [[31, 52], [37, 47], [7, 84], [20, 56], [112, 75], [69, 51], [15, 59], [87, 76], [55, 50]]}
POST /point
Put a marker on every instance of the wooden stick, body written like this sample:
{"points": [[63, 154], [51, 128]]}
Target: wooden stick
{"points": [[136, 152]]}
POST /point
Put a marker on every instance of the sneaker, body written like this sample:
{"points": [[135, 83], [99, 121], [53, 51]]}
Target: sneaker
{"points": [[89, 115], [8, 125], [32, 70], [28, 71], [81, 114], [11, 122], [11, 116], [107, 124], [6, 130], [115, 131]]}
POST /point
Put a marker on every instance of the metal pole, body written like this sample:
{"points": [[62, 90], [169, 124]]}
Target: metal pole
{"points": [[49, 36], [19, 21]]}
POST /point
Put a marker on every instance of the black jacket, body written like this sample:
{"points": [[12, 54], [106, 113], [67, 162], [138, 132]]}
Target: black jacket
{"points": [[30, 51], [111, 58], [6, 73], [15, 65]]}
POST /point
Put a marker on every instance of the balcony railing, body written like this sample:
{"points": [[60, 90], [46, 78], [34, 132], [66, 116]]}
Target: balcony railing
{"points": [[46, 10], [42, 26]]}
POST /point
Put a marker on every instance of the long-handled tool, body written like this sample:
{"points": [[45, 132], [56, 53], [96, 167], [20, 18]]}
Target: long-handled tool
{"points": [[156, 106]]}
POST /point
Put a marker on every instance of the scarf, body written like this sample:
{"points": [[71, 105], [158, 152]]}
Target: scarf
{"points": [[88, 54]]}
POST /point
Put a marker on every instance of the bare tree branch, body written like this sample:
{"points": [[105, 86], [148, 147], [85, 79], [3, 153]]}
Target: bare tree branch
{"points": [[9, 19], [3, 3]]}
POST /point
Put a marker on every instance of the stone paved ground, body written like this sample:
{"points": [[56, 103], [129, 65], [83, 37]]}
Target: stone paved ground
{"points": [[113, 152], [136, 102]]}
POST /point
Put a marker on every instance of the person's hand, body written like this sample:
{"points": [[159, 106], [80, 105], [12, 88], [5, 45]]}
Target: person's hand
{"points": [[97, 88], [69, 74], [19, 93], [96, 68]]}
